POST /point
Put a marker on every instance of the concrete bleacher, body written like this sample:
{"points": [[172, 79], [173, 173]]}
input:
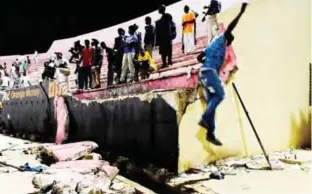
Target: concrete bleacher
{"points": [[179, 59]]}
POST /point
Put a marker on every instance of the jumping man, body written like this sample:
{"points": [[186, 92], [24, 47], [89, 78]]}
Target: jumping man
{"points": [[212, 59]]}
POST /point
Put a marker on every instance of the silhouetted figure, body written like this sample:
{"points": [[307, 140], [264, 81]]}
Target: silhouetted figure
{"points": [[165, 33], [76, 58], [118, 47], [97, 60], [110, 54], [149, 38]]}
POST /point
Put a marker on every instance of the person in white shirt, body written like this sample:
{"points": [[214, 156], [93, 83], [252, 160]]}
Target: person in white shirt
{"points": [[24, 81], [62, 71], [2, 73], [14, 77], [5, 82], [13, 73], [35, 56]]}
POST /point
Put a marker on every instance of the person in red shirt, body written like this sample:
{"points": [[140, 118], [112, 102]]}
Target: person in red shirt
{"points": [[86, 76]]}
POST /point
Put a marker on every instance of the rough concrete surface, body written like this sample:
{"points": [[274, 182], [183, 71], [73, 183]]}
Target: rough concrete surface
{"points": [[293, 178], [16, 182], [292, 174]]}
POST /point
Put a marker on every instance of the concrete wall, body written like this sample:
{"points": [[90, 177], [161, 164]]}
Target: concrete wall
{"points": [[272, 43]]}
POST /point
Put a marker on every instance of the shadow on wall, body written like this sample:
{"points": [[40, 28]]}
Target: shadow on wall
{"points": [[301, 130], [145, 130]]}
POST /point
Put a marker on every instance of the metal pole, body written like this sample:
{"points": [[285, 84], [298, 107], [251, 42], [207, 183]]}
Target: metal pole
{"points": [[253, 127]]}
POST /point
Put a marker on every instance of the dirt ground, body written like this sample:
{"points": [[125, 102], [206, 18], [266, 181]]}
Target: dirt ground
{"points": [[292, 180], [264, 182]]}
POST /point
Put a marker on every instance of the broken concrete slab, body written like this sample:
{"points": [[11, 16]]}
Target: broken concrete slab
{"points": [[87, 166], [51, 153], [67, 181]]}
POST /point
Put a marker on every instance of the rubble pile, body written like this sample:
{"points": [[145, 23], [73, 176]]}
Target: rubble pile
{"points": [[68, 168], [286, 160]]}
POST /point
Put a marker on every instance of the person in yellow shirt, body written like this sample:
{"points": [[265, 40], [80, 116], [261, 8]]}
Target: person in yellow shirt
{"points": [[145, 64], [188, 23]]}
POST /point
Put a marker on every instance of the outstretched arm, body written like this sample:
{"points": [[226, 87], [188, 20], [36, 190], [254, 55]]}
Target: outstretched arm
{"points": [[233, 24]]}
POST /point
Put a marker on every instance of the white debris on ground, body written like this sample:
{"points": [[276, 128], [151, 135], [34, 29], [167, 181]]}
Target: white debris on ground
{"points": [[292, 173], [16, 152]]}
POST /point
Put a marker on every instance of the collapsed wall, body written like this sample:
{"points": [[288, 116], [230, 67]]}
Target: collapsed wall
{"points": [[161, 126]]}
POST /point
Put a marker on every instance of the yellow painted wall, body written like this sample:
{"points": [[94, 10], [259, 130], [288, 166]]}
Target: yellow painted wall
{"points": [[272, 43]]}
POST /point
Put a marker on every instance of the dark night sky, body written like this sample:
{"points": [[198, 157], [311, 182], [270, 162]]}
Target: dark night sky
{"points": [[29, 25]]}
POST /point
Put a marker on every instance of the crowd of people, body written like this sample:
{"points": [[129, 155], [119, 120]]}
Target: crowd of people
{"points": [[131, 57], [129, 60], [15, 76]]}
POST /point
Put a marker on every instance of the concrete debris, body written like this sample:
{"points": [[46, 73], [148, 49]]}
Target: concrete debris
{"points": [[287, 160], [63, 172], [87, 166], [73, 182], [49, 154], [92, 156]]}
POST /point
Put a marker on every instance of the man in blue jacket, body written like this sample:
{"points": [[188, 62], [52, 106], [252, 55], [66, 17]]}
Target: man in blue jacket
{"points": [[212, 59]]}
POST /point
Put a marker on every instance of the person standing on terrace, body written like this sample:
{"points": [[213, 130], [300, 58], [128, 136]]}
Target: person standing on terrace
{"points": [[110, 55], [130, 44], [188, 23], [76, 59], [149, 38], [165, 33], [212, 59], [62, 71], [97, 60], [25, 65], [212, 23], [85, 71], [118, 47]]}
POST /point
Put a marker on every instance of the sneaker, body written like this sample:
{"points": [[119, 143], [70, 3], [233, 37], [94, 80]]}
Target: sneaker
{"points": [[212, 139]]}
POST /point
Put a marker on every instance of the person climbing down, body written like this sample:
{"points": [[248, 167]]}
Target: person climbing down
{"points": [[212, 59]]}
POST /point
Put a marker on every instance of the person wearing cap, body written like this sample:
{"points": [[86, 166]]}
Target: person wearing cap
{"points": [[129, 50], [97, 60]]}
